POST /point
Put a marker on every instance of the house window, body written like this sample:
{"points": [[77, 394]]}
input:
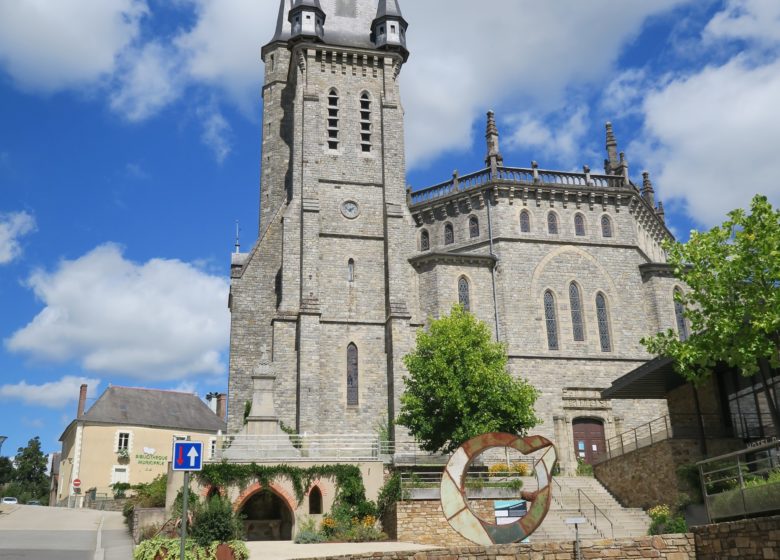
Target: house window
{"points": [[679, 314], [212, 448], [123, 442], [352, 375], [552, 223], [551, 320], [315, 501], [602, 317], [579, 225], [425, 241], [333, 120], [365, 122], [449, 234], [351, 270], [576, 312], [606, 226], [525, 222], [464, 295], [473, 227]]}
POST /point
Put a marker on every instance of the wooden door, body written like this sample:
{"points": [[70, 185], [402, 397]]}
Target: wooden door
{"points": [[589, 440]]}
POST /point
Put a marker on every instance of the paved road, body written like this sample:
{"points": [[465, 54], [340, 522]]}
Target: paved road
{"points": [[285, 550], [43, 533]]}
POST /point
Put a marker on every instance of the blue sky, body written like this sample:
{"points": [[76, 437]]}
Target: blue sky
{"points": [[130, 144]]}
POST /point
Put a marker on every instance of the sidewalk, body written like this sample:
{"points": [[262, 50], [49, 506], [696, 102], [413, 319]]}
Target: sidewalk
{"points": [[287, 550]]}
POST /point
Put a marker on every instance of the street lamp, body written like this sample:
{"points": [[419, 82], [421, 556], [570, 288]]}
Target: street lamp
{"points": [[2, 439]]}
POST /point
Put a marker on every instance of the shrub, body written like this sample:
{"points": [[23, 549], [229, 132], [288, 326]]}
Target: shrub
{"points": [[517, 468], [308, 533], [388, 495], [583, 468], [168, 549], [120, 488], [665, 522], [216, 522]]}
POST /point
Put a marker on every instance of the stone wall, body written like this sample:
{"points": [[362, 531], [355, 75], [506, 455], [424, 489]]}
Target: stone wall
{"points": [[147, 519], [750, 539], [423, 522], [670, 547]]}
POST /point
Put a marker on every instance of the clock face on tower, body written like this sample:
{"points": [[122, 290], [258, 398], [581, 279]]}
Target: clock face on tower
{"points": [[350, 209]]}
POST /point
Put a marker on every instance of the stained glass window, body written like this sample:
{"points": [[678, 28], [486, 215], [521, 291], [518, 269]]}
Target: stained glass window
{"points": [[474, 227], [464, 297], [425, 241], [603, 321], [552, 223], [525, 222], [606, 226], [352, 375], [551, 320], [449, 235], [576, 312], [679, 313], [579, 225]]}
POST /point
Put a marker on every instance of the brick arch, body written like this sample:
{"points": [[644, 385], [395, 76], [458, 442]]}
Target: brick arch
{"points": [[250, 491]]}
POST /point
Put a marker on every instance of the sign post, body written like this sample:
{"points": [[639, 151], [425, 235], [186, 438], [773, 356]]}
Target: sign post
{"points": [[187, 457]]}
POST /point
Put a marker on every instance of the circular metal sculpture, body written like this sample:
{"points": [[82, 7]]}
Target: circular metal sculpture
{"points": [[453, 491]]}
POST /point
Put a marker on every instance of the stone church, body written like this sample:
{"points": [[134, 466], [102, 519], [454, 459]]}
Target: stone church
{"points": [[566, 268]]}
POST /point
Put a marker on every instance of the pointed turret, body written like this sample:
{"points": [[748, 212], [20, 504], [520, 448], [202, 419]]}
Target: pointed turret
{"points": [[389, 28], [648, 193], [307, 21], [612, 151], [660, 211], [494, 158]]}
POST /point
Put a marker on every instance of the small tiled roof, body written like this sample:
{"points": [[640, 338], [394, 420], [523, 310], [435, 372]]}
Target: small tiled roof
{"points": [[347, 22], [153, 408]]}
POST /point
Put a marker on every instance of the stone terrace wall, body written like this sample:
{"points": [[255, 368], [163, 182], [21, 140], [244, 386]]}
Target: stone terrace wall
{"points": [[423, 522], [750, 539], [669, 547]]}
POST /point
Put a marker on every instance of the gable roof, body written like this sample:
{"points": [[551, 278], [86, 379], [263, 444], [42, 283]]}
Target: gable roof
{"points": [[153, 408]]}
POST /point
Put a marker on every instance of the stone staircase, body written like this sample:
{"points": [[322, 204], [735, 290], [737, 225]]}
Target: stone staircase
{"points": [[606, 518]]}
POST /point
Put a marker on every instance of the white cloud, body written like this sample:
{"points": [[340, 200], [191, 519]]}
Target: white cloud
{"points": [[12, 227], [752, 20], [216, 132], [624, 94], [557, 135], [55, 394], [186, 387], [713, 137], [149, 81], [163, 319], [48, 46]]}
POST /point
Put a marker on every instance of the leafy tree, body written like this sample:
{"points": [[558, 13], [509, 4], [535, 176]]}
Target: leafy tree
{"points": [[31, 468], [458, 386], [6, 470], [733, 306]]}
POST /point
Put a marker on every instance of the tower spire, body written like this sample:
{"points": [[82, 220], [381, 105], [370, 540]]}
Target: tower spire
{"points": [[307, 20], [494, 158], [612, 163], [648, 193], [238, 238], [389, 28]]}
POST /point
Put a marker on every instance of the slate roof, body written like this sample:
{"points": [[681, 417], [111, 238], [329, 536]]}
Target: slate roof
{"points": [[153, 408], [347, 22]]}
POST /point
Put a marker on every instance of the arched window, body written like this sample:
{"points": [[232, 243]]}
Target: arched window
{"points": [[449, 235], [576, 312], [278, 287], [352, 375], [333, 120], [365, 122], [679, 314], [551, 320], [425, 240], [552, 223], [464, 295], [351, 270], [602, 317], [579, 225], [473, 227], [525, 222], [315, 501], [606, 226]]}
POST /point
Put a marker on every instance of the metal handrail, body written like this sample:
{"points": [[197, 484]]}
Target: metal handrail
{"points": [[596, 510]]}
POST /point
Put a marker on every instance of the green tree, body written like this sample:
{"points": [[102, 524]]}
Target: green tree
{"points": [[458, 386], [733, 305], [31, 468], [6, 470]]}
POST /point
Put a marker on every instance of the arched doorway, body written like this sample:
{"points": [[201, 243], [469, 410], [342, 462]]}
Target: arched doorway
{"points": [[267, 517], [589, 440]]}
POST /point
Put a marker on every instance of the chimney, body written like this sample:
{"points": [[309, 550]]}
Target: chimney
{"points": [[82, 400], [221, 406]]}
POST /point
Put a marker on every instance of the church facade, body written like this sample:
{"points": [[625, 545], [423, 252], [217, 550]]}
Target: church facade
{"points": [[566, 268]]}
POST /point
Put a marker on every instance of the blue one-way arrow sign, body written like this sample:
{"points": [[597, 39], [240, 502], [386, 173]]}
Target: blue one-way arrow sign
{"points": [[187, 456]]}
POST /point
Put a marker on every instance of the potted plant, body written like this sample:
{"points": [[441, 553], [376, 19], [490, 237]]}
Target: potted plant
{"points": [[123, 455]]}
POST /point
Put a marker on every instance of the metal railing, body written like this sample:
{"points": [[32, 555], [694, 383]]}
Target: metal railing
{"points": [[742, 484], [596, 512], [319, 447], [687, 426], [517, 175]]}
